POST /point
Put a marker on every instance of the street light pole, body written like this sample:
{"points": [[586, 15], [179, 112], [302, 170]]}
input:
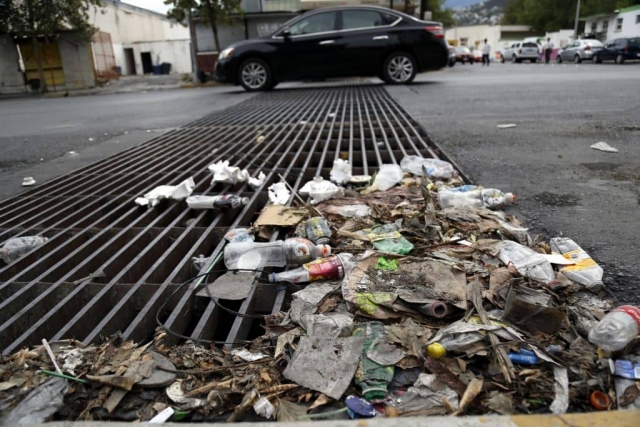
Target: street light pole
{"points": [[575, 28]]}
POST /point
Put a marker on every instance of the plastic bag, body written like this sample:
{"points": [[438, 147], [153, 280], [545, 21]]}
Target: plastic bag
{"points": [[279, 194], [388, 176], [341, 172], [320, 190], [435, 168]]}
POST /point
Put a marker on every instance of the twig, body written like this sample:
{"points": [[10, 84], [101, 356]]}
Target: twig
{"points": [[214, 370], [66, 377], [51, 355], [501, 355]]}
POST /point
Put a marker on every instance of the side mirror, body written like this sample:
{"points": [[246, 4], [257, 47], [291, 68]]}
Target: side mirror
{"points": [[286, 33]]}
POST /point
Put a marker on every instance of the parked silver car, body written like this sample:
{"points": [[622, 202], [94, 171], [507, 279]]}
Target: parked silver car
{"points": [[579, 50], [521, 51]]}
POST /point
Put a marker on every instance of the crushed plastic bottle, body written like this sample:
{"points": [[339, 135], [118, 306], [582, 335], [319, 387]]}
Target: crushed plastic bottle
{"points": [[290, 253], [386, 238], [616, 329], [16, 247], [370, 376], [318, 231], [320, 190], [435, 168], [489, 197], [585, 270], [528, 262], [331, 268], [216, 202]]}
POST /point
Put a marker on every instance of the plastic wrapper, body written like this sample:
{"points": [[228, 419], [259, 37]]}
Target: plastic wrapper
{"points": [[320, 190], [388, 176], [341, 172], [175, 192], [279, 194]]}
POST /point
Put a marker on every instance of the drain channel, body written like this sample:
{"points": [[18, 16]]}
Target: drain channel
{"points": [[93, 224]]}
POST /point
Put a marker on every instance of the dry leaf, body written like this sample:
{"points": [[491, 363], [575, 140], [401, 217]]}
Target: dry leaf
{"points": [[322, 400], [125, 383], [473, 389], [462, 364], [265, 376]]}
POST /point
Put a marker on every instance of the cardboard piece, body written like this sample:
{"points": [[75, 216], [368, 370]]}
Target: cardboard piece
{"points": [[279, 216]]}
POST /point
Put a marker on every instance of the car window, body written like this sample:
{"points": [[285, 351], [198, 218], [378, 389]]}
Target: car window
{"points": [[529, 44], [319, 23], [621, 42], [634, 42], [352, 19]]}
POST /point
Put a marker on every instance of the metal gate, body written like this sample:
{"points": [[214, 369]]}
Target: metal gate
{"points": [[103, 58]]}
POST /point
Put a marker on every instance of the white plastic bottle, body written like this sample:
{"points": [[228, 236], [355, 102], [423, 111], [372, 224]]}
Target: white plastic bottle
{"points": [[453, 342], [435, 168], [228, 201], [585, 270], [290, 253], [16, 247], [617, 329], [490, 198], [528, 262]]}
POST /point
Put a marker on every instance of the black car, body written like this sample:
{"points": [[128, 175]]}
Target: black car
{"points": [[337, 42], [619, 50]]}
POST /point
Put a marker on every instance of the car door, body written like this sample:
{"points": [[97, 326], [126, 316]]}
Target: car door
{"points": [[608, 53], [570, 51], [366, 38], [308, 48]]}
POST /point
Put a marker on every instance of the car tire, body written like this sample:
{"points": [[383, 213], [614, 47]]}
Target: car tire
{"points": [[559, 59], [399, 68], [597, 59], [577, 59], [255, 75], [619, 59], [514, 59], [533, 61]]}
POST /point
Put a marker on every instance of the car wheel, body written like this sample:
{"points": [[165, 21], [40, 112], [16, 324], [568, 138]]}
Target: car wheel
{"points": [[533, 61], [577, 59], [255, 75], [620, 59], [399, 68], [514, 59], [597, 59]]}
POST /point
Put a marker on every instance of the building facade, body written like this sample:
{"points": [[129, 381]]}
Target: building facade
{"points": [[142, 39], [623, 23]]}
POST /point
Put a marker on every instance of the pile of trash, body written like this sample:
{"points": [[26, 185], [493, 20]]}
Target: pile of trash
{"points": [[413, 295]]}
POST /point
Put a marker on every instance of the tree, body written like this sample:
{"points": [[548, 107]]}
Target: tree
{"points": [[553, 15], [212, 12], [438, 11], [35, 18]]}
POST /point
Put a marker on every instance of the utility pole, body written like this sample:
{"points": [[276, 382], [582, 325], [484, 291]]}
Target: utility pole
{"points": [[575, 28], [194, 48]]}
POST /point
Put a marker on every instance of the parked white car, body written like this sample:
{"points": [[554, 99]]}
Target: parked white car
{"points": [[520, 51], [579, 50]]}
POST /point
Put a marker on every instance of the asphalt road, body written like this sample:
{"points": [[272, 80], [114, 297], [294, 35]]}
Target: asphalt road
{"points": [[563, 186], [37, 135]]}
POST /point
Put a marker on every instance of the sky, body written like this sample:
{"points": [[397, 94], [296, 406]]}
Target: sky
{"points": [[155, 5]]}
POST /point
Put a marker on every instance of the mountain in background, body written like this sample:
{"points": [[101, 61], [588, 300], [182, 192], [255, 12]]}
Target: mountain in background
{"points": [[453, 4], [482, 12]]}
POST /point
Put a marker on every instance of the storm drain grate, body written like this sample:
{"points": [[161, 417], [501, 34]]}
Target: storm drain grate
{"points": [[93, 224]]}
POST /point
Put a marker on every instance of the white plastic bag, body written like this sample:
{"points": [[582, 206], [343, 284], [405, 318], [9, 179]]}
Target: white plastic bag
{"points": [[341, 172], [320, 190], [279, 194], [388, 176], [175, 192], [435, 168], [257, 182]]}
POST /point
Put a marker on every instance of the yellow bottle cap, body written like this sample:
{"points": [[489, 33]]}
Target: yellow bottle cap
{"points": [[436, 350]]}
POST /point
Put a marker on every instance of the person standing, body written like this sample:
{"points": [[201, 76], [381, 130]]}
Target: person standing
{"points": [[548, 48], [486, 50]]}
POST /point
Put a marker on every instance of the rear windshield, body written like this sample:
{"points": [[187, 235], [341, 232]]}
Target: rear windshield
{"points": [[593, 43], [529, 44]]}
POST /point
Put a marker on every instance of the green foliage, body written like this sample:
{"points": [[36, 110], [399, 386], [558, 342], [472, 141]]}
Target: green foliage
{"points": [[553, 15], [27, 18], [440, 13], [211, 12]]}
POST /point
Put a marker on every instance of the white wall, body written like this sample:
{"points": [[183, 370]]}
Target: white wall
{"points": [[144, 31], [11, 80], [560, 38], [629, 26], [475, 35]]}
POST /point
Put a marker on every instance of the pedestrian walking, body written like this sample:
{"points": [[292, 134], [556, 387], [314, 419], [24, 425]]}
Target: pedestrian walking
{"points": [[486, 50], [548, 48]]}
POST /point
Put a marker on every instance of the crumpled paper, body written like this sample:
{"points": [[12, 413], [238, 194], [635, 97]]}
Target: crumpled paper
{"points": [[320, 190], [175, 192], [279, 193], [341, 172], [224, 173]]}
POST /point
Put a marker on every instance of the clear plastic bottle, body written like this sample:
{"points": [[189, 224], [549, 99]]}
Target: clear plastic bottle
{"points": [[16, 247], [331, 268], [453, 342], [617, 329], [228, 201], [528, 262], [435, 168], [489, 197], [290, 253], [318, 230], [585, 270]]}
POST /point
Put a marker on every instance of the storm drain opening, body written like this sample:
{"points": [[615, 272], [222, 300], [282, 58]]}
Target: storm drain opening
{"points": [[109, 265]]}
